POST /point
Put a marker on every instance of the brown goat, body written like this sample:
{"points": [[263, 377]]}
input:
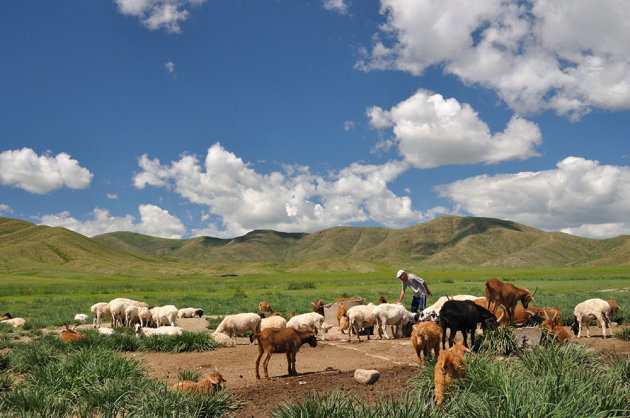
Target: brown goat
{"points": [[548, 314], [555, 331], [426, 337], [318, 306], [506, 294], [342, 311], [450, 365], [265, 307], [69, 334], [344, 324], [282, 340], [209, 384]]}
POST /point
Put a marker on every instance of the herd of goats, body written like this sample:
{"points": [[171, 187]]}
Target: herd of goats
{"points": [[275, 334]]}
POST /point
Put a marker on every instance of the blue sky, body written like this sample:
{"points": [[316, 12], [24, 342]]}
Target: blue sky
{"points": [[179, 118]]}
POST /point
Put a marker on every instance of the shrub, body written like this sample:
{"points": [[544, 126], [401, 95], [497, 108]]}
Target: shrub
{"points": [[624, 334], [498, 342]]}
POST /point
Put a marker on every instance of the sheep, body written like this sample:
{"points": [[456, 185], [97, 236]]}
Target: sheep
{"points": [[392, 314], [81, 317], [100, 310], [273, 322], [426, 338], [118, 306], [131, 314], [223, 339], [209, 384], [359, 317], [150, 332], [318, 306], [450, 365], [15, 322], [144, 316], [588, 310], [240, 323], [190, 313], [69, 334], [311, 321], [432, 312], [164, 314], [265, 307], [282, 340], [105, 331]]}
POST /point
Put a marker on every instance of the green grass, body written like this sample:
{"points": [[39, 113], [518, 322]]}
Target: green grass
{"points": [[623, 334]]}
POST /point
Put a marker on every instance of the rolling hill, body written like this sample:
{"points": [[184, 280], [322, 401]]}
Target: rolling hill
{"points": [[446, 242]]}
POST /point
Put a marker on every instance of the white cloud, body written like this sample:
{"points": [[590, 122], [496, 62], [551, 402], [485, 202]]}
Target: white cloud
{"points": [[170, 67], [26, 170], [158, 14], [5, 209], [339, 6], [348, 125], [112, 196], [153, 221], [432, 131], [565, 55], [295, 200], [578, 196]]}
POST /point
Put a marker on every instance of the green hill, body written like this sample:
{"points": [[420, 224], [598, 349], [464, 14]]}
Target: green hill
{"points": [[447, 242]]}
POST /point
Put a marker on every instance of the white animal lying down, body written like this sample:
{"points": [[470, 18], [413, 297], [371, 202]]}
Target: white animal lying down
{"points": [[105, 331], [81, 317], [150, 332], [16, 322]]}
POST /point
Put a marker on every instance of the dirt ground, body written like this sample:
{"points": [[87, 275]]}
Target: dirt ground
{"points": [[327, 367]]}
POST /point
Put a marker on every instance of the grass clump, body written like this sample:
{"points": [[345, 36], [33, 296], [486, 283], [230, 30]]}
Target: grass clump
{"points": [[499, 342], [624, 334], [300, 285], [188, 374], [187, 341]]}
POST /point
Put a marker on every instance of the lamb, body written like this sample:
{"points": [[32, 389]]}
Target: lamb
{"points": [[450, 365], [282, 340], [359, 317], [311, 321], [15, 322], [150, 332], [190, 313], [426, 337], [69, 334], [273, 322], [81, 317], [239, 323], [588, 310], [105, 331], [209, 384], [100, 310], [164, 314], [432, 312], [392, 314]]}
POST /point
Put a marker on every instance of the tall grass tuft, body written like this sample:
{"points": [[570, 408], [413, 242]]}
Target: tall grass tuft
{"points": [[187, 341], [188, 374], [499, 342], [300, 285], [624, 334]]}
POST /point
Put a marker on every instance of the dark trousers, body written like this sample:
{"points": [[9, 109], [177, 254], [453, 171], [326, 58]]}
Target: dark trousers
{"points": [[418, 302]]}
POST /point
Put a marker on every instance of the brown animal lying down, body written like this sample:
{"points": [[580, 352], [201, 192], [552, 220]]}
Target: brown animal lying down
{"points": [[69, 334], [209, 384], [282, 340], [450, 365]]}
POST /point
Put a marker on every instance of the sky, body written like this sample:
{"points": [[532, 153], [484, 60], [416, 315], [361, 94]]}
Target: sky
{"points": [[181, 118]]}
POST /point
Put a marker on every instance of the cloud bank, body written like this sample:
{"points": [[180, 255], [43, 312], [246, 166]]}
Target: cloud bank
{"points": [[159, 14], [41, 174], [565, 55]]}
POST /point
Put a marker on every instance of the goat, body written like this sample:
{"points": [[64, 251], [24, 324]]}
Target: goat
{"points": [[318, 306], [464, 315], [69, 334], [282, 340], [506, 294], [209, 384], [550, 328], [265, 307], [425, 338], [450, 365]]}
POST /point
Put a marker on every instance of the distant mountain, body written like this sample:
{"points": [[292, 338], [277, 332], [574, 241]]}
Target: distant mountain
{"points": [[446, 242]]}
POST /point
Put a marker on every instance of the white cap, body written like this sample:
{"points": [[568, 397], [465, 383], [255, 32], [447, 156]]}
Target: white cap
{"points": [[400, 273]]}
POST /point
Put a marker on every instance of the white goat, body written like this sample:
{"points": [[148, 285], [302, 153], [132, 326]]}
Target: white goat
{"points": [[239, 323], [432, 312], [588, 310], [150, 332], [311, 321], [190, 313], [100, 310], [273, 322], [359, 317], [164, 314], [392, 314]]}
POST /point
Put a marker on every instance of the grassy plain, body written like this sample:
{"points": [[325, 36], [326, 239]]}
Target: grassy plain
{"points": [[51, 297]]}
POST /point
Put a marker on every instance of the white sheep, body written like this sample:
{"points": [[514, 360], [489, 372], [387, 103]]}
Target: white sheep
{"points": [[392, 314], [150, 332], [16, 322], [311, 321], [273, 322], [432, 312], [190, 313], [239, 323], [100, 310], [223, 339], [164, 314], [359, 317], [105, 331], [131, 314], [81, 317], [588, 310], [118, 306], [144, 315]]}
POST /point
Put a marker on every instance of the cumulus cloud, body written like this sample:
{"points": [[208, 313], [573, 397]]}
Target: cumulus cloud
{"points": [[5, 209], [294, 200], [170, 67], [153, 221], [565, 55], [41, 174], [112, 196], [432, 131], [159, 14], [578, 196], [339, 6]]}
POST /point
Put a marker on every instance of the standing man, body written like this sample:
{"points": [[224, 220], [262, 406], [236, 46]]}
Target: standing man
{"points": [[420, 290]]}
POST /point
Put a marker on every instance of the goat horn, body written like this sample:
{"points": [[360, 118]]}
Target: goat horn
{"points": [[530, 312], [535, 290], [554, 316], [502, 315]]}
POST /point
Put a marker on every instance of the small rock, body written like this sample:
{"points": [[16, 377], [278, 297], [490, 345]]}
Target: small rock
{"points": [[366, 377], [302, 382]]}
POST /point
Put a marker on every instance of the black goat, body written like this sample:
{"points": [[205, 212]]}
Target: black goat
{"points": [[464, 315]]}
